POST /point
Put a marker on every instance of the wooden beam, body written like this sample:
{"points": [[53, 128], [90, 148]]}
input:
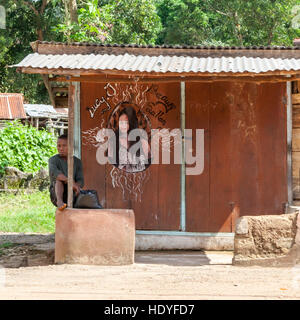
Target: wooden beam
{"points": [[71, 144], [59, 89], [295, 87], [49, 89], [117, 73], [296, 98], [101, 79]]}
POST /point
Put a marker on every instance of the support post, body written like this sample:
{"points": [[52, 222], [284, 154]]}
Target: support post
{"points": [[182, 117], [77, 140], [289, 125], [71, 103]]}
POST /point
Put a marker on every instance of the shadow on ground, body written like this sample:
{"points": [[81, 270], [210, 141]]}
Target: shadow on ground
{"points": [[184, 258]]}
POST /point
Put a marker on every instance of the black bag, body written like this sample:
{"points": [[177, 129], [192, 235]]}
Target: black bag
{"points": [[87, 199]]}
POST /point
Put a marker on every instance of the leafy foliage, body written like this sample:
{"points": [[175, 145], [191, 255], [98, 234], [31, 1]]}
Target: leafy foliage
{"points": [[123, 21], [134, 21], [23, 27], [92, 26], [184, 22], [259, 22], [192, 22], [25, 147], [230, 22]]}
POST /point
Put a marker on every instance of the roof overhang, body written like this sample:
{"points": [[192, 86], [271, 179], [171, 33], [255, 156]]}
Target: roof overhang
{"points": [[154, 63]]}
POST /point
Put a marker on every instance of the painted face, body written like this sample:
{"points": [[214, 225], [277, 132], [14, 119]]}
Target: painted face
{"points": [[62, 147], [123, 123]]}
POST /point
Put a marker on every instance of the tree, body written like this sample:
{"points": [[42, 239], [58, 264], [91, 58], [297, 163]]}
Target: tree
{"points": [[192, 22], [231, 22], [122, 21], [257, 22], [26, 21], [134, 21], [90, 23], [184, 22], [71, 17]]}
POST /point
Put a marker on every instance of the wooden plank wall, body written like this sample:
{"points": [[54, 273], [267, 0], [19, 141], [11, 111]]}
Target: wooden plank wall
{"points": [[245, 153], [153, 194], [296, 140]]}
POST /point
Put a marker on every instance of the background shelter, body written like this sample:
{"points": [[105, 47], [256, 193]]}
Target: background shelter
{"points": [[48, 117], [240, 97], [11, 107]]}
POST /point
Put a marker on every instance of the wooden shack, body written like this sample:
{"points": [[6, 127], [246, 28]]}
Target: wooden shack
{"points": [[11, 107], [47, 117], [240, 98]]}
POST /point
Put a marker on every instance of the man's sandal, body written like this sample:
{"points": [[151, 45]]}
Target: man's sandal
{"points": [[63, 207]]}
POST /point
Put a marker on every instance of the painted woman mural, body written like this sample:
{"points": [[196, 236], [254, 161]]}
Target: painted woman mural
{"points": [[121, 133], [132, 151]]}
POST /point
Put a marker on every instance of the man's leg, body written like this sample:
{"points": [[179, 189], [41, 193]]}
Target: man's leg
{"points": [[59, 192]]}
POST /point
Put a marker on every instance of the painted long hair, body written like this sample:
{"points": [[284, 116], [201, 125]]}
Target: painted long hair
{"points": [[133, 124], [132, 118]]}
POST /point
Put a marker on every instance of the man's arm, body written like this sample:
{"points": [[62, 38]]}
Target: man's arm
{"points": [[54, 171], [56, 174], [62, 177]]}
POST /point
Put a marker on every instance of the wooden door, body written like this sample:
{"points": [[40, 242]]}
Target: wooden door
{"points": [[245, 153]]}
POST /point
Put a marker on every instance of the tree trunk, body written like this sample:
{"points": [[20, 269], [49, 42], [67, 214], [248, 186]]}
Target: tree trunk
{"points": [[39, 14], [70, 15], [73, 11], [237, 27]]}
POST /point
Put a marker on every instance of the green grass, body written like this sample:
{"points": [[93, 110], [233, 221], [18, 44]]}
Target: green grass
{"points": [[31, 213]]}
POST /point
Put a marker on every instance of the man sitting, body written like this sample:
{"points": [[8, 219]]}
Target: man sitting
{"points": [[58, 172]]}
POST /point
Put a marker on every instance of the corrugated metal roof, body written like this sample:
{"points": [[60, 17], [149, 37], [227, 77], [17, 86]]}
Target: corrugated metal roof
{"points": [[11, 106], [44, 111], [160, 64]]}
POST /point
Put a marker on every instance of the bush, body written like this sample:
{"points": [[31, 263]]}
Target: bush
{"points": [[25, 147]]}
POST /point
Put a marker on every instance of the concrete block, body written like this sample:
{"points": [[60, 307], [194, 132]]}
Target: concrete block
{"points": [[297, 239], [100, 237], [272, 240], [242, 226], [244, 245], [181, 242], [285, 243]]}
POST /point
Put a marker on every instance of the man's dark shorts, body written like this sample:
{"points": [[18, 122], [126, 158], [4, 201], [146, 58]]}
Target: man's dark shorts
{"points": [[65, 195]]}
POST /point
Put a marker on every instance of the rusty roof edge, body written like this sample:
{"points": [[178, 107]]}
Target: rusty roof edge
{"points": [[143, 50], [204, 47], [11, 94], [34, 45]]}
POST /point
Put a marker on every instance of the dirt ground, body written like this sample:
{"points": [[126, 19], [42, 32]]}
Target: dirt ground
{"points": [[154, 275]]}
